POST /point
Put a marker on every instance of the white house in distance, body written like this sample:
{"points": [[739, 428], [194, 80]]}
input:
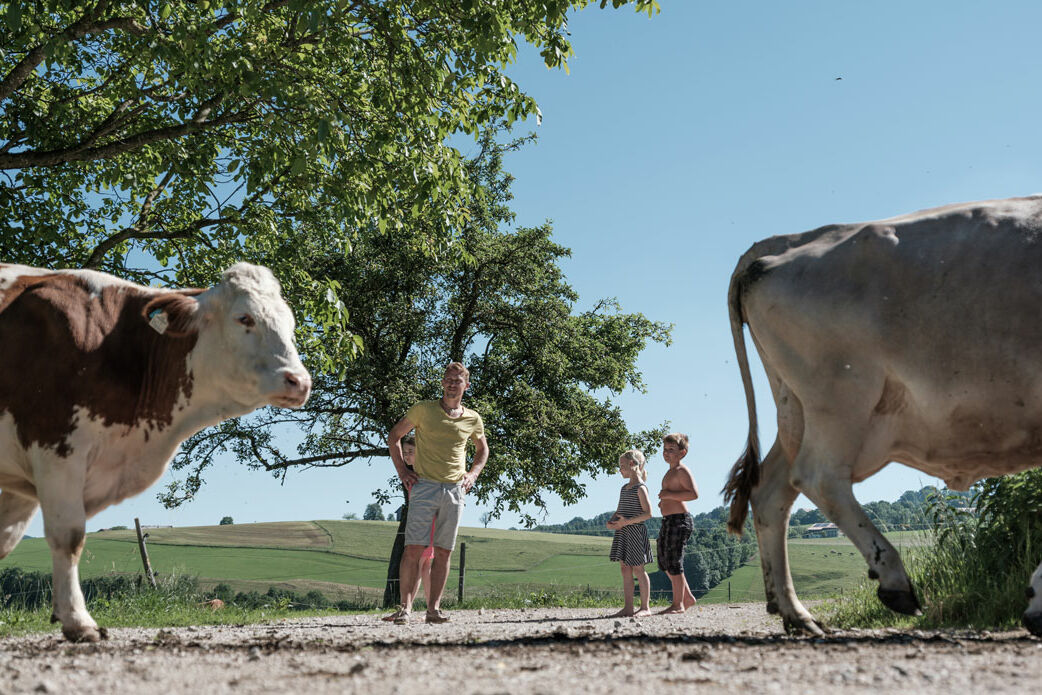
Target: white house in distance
{"points": [[823, 530]]}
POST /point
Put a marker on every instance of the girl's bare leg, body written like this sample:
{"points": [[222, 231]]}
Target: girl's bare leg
{"points": [[645, 591], [627, 592]]}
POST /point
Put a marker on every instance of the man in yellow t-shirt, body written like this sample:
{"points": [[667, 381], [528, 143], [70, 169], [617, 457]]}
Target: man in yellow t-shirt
{"points": [[438, 485]]}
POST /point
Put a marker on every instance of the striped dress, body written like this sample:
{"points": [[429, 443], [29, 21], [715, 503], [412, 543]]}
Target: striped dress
{"points": [[630, 545]]}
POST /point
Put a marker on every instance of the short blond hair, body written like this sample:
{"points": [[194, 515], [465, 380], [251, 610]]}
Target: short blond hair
{"points": [[678, 438], [637, 456], [457, 367]]}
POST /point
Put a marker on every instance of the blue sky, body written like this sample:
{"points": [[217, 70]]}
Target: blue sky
{"points": [[674, 144]]}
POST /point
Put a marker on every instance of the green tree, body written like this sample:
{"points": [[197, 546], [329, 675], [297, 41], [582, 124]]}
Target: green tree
{"points": [[199, 132], [542, 369], [227, 521], [373, 512]]}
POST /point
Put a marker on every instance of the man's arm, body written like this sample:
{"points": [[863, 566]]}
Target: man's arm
{"points": [[685, 489], [394, 446], [480, 458]]}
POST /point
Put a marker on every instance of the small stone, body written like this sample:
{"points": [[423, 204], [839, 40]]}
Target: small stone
{"points": [[618, 624], [255, 653]]}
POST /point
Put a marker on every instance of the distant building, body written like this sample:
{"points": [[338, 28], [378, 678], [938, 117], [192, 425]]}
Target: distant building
{"points": [[822, 530]]}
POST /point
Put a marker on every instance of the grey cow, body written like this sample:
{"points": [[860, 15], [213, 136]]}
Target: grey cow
{"points": [[915, 339]]}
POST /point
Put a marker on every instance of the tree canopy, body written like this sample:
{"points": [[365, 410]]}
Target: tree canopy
{"points": [[542, 369], [164, 140], [184, 135]]}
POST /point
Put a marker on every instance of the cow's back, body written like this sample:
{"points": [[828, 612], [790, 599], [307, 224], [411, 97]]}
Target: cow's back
{"points": [[77, 340], [928, 323]]}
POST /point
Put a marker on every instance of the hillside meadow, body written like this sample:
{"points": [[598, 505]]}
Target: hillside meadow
{"points": [[348, 559]]}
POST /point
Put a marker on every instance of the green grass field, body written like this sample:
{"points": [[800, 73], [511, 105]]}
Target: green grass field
{"points": [[821, 568], [339, 558], [349, 558]]}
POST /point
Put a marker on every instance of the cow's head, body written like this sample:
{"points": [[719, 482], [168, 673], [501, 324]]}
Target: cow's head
{"points": [[245, 346], [1033, 615]]}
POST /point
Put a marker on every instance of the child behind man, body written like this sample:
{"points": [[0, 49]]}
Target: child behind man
{"points": [[630, 546], [678, 487], [423, 575]]}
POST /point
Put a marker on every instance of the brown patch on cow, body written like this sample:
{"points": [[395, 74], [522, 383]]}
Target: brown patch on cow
{"points": [[893, 400], [65, 344]]}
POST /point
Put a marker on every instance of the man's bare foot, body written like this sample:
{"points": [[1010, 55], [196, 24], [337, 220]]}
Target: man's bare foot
{"points": [[624, 613], [672, 610], [642, 612], [689, 602]]}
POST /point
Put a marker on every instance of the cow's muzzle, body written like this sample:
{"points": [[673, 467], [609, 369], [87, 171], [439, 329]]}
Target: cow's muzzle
{"points": [[296, 387]]}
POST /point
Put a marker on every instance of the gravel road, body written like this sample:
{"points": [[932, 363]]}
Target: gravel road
{"points": [[716, 649]]}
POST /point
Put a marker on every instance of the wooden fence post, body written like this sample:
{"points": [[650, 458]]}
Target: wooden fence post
{"points": [[462, 568], [144, 554]]}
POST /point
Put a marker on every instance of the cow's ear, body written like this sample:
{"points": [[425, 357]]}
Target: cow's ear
{"points": [[173, 314]]}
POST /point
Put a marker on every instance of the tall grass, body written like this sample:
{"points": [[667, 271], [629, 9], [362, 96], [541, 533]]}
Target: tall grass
{"points": [[974, 571]]}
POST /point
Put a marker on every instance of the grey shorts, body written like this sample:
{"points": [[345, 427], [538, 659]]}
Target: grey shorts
{"points": [[440, 503]]}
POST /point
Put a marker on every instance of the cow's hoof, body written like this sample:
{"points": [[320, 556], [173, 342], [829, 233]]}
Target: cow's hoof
{"points": [[1033, 622], [806, 626], [85, 634], [900, 601]]}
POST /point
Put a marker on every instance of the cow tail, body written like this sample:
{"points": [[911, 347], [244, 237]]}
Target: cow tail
{"points": [[745, 474]]}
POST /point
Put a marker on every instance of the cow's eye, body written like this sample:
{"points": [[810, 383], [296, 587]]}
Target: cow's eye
{"points": [[247, 321]]}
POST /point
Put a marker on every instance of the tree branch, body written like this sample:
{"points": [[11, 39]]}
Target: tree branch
{"points": [[86, 25], [314, 460], [83, 152]]}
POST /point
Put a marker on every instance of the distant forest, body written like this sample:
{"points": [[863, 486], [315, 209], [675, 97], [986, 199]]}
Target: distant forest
{"points": [[712, 554], [908, 513]]}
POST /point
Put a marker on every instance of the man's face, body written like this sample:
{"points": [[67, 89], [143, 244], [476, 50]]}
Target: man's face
{"points": [[672, 453], [454, 384], [409, 453]]}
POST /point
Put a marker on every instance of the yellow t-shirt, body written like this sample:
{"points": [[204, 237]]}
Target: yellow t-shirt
{"points": [[441, 441]]}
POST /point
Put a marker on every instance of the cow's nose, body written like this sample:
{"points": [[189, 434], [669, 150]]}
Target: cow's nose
{"points": [[297, 384]]}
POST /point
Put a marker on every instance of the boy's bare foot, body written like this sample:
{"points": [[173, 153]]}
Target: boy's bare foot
{"points": [[689, 602], [642, 612], [672, 610], [624, 613]]}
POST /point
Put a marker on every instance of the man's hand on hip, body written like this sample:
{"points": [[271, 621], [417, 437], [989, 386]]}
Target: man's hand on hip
{"points": [[468, 481], [408, 479]]}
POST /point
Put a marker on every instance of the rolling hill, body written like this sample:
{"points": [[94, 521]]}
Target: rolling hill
{"points": [[349, 558]]}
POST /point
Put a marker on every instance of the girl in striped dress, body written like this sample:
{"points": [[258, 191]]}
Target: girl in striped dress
{"points": [[630, 545]]}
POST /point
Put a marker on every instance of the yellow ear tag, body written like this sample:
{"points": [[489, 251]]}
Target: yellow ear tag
{"points": [[158, 320]]}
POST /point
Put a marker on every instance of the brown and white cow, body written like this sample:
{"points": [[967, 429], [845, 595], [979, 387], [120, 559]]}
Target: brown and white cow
{"points": [[916, 339], [100, 382]]}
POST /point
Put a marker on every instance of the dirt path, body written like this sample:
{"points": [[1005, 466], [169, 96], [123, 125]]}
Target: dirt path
{"points": [[718, 649]]}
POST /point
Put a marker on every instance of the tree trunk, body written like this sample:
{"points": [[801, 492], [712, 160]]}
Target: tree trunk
{"points": [[392, 594]]}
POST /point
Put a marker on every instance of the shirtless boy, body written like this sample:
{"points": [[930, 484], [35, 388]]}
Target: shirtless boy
{"points": [[678, 487]]}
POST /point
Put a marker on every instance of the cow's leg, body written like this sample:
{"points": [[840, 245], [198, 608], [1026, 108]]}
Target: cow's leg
{"points": [[771, 502], [827, 481], [1033, 615], [15, 514], [64, 523]]}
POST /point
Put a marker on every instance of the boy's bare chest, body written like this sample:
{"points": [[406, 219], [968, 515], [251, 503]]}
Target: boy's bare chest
{"points": [[672, 480]]}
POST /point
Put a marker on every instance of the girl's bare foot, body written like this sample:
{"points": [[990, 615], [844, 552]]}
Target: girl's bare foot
{"points": [[642, 612], [624, 613], [672, 610]]}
